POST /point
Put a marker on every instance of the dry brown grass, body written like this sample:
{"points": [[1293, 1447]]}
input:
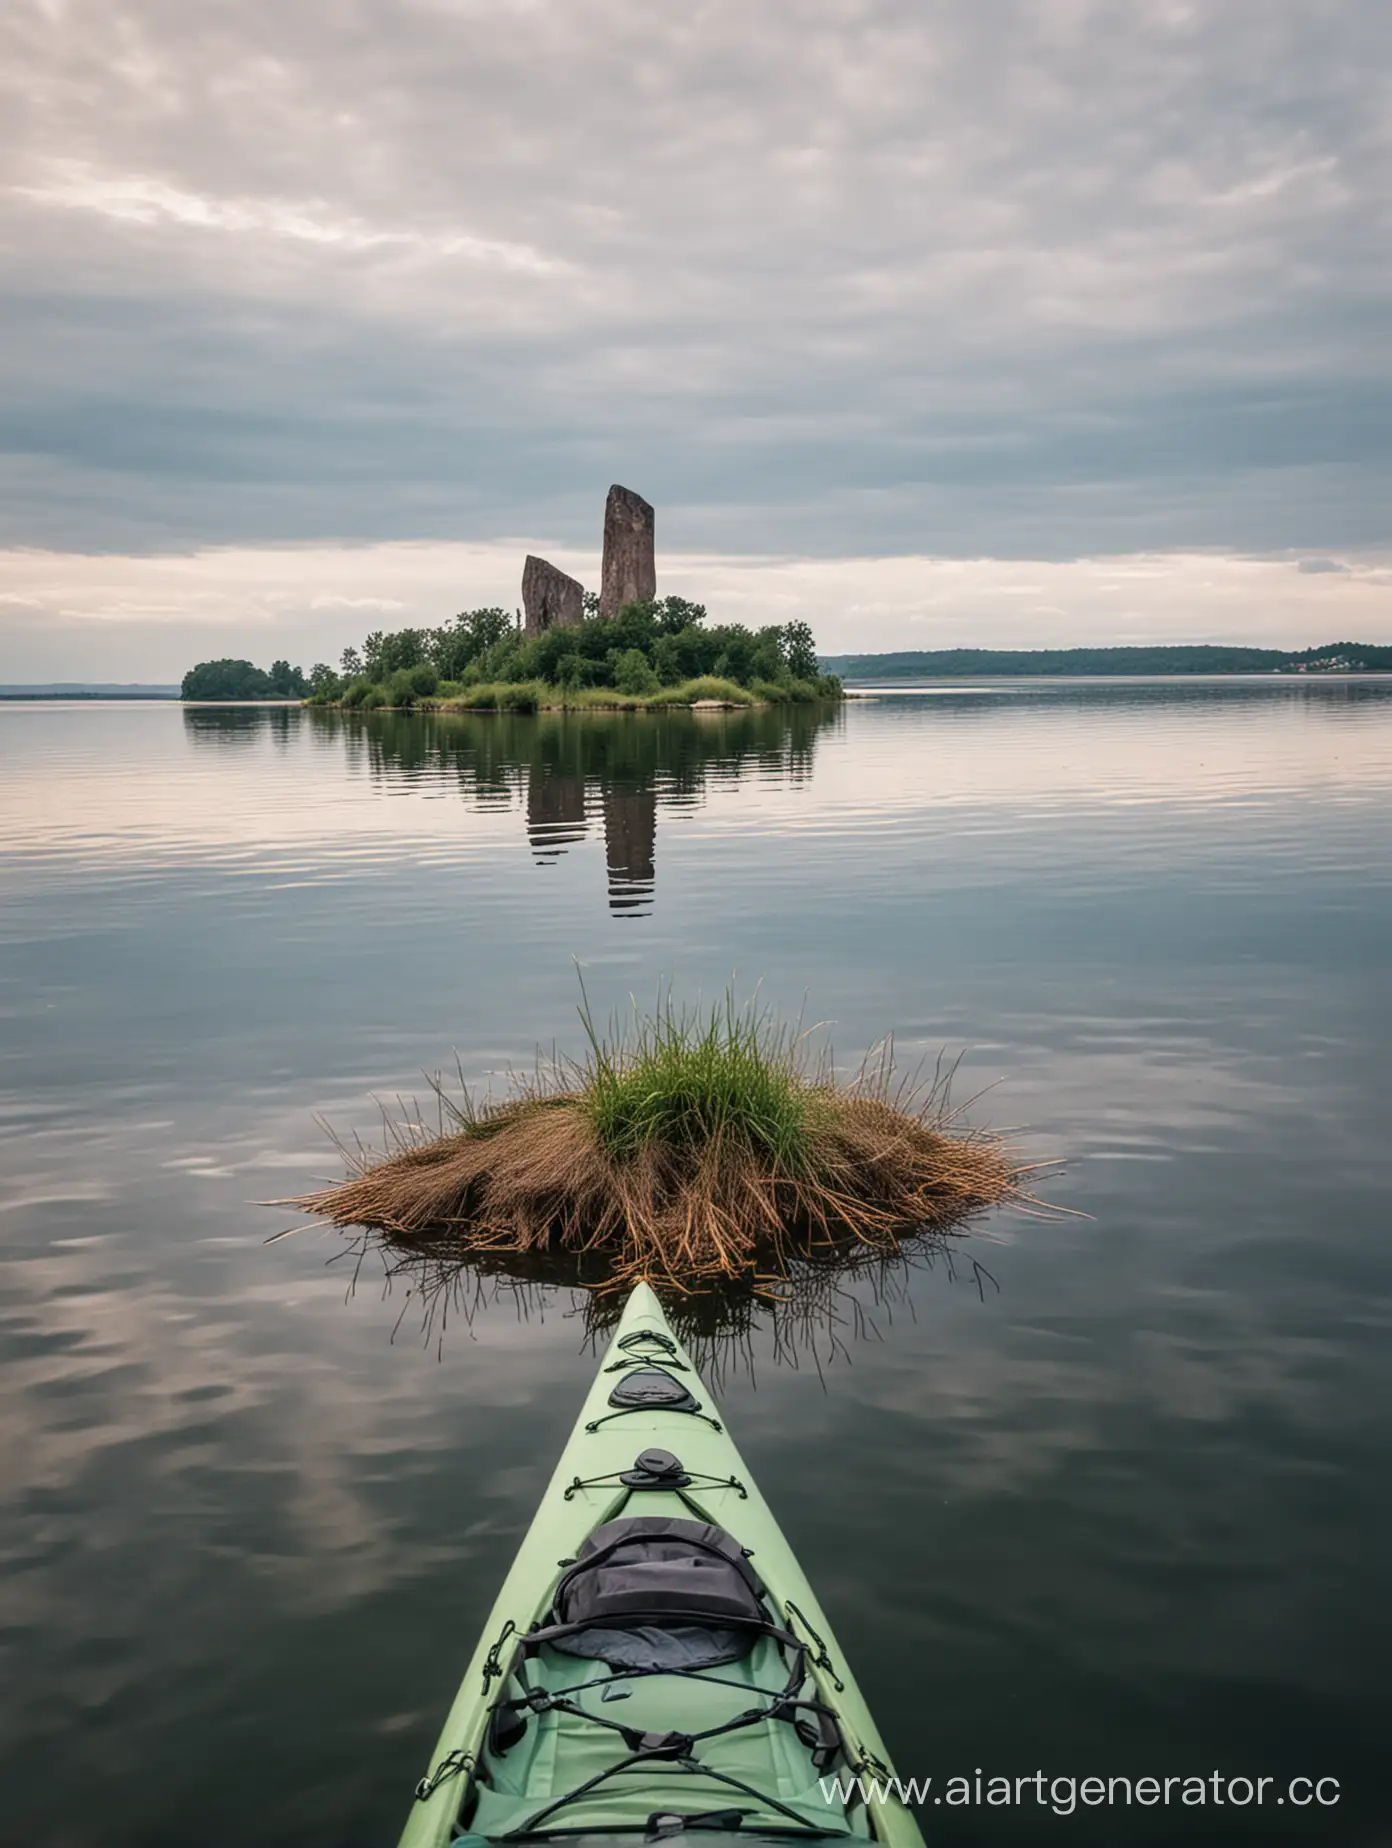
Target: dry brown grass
{"points": [[530, 1178]]}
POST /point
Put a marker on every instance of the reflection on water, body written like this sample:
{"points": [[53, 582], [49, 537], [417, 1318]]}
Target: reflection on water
{"points": [[568, 773], [814, 1313], [1127, 1516], [1366, 693]]}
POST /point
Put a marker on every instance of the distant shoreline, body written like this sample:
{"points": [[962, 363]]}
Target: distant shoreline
{"points": [[857, 687], [44, 691], [1166, 660]]}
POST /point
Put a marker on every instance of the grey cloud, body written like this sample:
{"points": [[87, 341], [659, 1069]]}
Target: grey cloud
{"points": [[847, 276], [1320, 567]]}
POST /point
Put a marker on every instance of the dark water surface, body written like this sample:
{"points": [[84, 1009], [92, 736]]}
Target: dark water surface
{"points": [[1130, 1515]]}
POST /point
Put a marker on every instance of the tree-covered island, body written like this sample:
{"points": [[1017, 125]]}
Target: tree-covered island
{"points": [[623, 646], [228, 679], [653, 652]]}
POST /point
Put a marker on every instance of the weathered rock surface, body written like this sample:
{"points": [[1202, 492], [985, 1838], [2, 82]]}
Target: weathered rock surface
{"points": [[630, 572], [550, 598]]}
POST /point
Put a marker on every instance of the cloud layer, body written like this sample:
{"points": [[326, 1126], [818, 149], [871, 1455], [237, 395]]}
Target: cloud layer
{"points": [[1025, 278]]}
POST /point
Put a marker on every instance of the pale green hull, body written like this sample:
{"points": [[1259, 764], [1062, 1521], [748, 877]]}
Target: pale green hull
{"points": [[561, 1525]]}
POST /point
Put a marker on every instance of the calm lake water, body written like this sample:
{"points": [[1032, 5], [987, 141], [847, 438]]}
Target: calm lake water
{"points": [[1129, 1515]]}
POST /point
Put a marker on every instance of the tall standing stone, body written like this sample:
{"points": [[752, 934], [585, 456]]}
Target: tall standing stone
{"points": [[550, 599], [630, 571]]}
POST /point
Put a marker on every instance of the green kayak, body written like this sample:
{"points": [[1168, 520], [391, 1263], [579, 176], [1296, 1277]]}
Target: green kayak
{"points": [[656, 1665]]}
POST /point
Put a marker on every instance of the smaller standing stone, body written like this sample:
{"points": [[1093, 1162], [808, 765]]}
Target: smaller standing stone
{"points": [[550, 598], [629, 573]]}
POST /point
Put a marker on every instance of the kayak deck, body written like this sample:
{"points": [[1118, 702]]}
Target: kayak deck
{"points": [[762, 1771], [666, 1720]]}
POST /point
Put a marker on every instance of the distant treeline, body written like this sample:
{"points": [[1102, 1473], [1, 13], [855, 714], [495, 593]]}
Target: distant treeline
{"points": [[81, 689], [228, 679], [972, 663]]}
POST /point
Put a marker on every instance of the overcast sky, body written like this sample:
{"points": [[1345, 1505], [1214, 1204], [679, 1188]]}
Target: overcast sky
{"points": [[953, 289]]}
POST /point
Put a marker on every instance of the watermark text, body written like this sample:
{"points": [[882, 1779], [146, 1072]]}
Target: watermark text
{"points": [[1064, 1795]]}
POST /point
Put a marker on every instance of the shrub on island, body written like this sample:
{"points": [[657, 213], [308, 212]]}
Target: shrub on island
{"points": [[652, 654]]}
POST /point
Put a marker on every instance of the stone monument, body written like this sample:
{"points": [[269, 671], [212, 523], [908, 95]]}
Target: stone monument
{"points": [[550, 599], [629, 573]]}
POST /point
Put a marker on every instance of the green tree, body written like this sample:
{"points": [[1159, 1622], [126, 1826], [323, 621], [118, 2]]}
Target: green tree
{"points": [[666, 659], [409, 684], [289, 682], [574, 669], [800, 651], [633, 673], [383, 654], [768, 662], [455, 645], [674, 613], [226, 679]]}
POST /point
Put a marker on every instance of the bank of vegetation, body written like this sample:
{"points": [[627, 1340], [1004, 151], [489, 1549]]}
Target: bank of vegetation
{"points": [[655, 654], [1025, 663], [683, 1148]]}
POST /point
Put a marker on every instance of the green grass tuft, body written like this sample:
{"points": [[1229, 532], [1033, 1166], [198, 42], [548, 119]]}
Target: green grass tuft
{"points": [[495, 696], [682, 1080], [536, 695], [705, 686]]}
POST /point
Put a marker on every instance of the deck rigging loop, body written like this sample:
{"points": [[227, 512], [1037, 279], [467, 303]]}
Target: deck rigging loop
{"points": [[821, 1659], [641, 1477], [493, 1662], [625, 1411], [663, 1823], [641, 1338], [447, 1768]]}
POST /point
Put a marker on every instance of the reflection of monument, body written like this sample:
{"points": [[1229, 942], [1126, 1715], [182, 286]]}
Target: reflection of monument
{"points": [[556, 819], [630, 837], [555, 811], [568, 769]]}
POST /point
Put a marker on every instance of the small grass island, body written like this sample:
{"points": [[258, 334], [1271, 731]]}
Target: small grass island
{"points": [[689, 1149]]}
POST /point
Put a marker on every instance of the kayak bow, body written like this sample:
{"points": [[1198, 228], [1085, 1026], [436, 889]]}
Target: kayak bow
{"points": [[656, 1665]]}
